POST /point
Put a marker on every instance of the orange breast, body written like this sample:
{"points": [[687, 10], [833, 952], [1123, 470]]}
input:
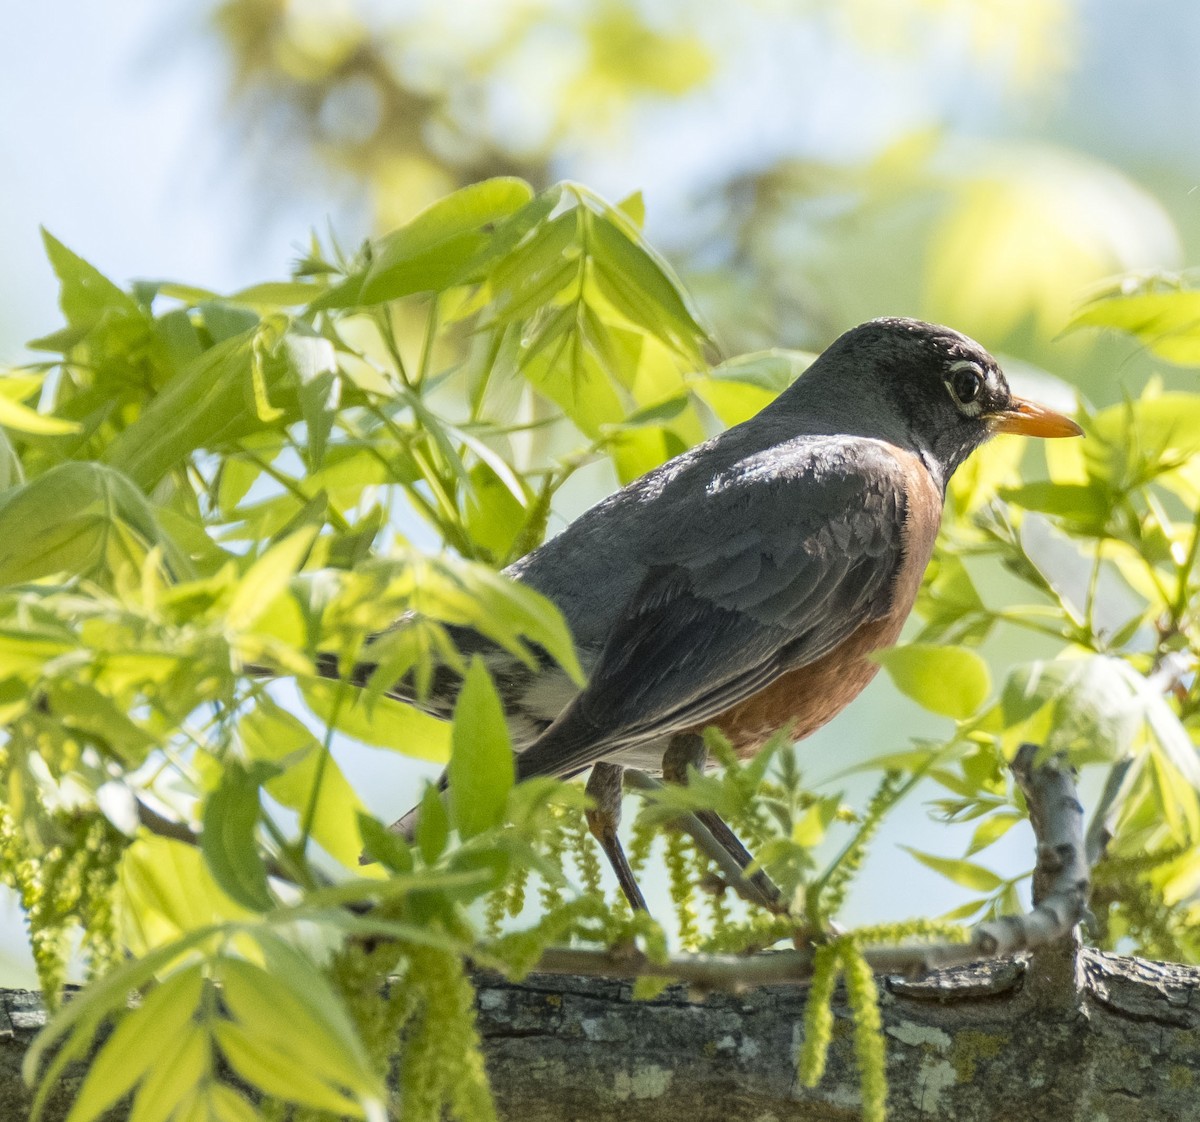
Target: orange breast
{"points": [[812, 695]]}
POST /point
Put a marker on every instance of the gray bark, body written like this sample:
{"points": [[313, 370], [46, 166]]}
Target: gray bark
{"points": [[1089, 1037], [1060, 1036]]}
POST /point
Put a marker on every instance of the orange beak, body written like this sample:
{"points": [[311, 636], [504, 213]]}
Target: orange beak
{"points": [[1028, 418]]}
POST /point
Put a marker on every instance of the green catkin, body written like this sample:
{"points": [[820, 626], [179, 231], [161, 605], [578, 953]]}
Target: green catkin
{"points": [[868, 1030], [759, 930], [517, 884], [641, 843], [680, 868], [1151, 923], [495, 911], [750, 822], [838, 881], [69, 885], [720, 917], [818, 1016], [583, 852], [522, 949], [893, 933], [379, 1007], [442, 1063], [555, 842], [105, 847]]}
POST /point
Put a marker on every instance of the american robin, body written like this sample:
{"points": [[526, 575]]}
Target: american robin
{"points": [[744, 584]]}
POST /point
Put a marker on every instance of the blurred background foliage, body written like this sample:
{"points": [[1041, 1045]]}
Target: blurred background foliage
{"points": [[806, 166], [892, 156]]}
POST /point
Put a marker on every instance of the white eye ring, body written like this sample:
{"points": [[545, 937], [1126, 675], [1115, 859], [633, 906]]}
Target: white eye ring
{"points": [[966, 385]]}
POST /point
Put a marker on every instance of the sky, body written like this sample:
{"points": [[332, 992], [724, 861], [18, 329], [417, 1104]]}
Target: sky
{"points": [[111, 139]]}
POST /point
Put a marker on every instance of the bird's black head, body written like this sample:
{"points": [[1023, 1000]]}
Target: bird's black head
{"points": [[926, 387]]}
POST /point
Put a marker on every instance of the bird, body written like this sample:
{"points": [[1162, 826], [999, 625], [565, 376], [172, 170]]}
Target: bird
{"points": [[745, 584]]}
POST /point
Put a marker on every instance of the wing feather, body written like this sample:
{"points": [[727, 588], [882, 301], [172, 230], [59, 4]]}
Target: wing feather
{"points": [[720, 620]]}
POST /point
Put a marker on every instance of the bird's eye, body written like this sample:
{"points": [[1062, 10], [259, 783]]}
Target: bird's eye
{"points": [[966, 384]]}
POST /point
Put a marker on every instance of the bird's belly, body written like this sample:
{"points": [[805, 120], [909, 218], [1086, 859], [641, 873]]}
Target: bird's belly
{"points": [[811, 695]]}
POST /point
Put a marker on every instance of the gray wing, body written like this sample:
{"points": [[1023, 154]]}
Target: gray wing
{"points": [[789, 567]]}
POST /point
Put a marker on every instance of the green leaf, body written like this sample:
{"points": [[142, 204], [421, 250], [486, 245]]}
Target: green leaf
{"points": [[76, 1023], [78, 519], [384, 846], [428, 253], [433, 825], [1085, 504], [268, 578], [135, 1046], [952, 681], [14, 415], [86, 294], [771, 371], [494, 516], [1086, 707], [170, 892], [1166, 426], [966, 873], [229, 839], [380, 721], [210, 404], [950, 604], [481, 770], [651, 291], [84, 709], [274, 1071], [272, 734], [278, 294], [226, 1105], [290, 1009], [508, 609], [993, 828], [179, 1068], [1165, 322]]}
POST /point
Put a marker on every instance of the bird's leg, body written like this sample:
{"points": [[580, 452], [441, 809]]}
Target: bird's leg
{"points": [[604, 786], [687, 749]]}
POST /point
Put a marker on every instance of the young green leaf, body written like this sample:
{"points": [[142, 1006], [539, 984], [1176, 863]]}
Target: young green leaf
{"points": [[1163, 321], [136, 1043], [14, 415], [276, 1072], [953, 681], [433, 825], [180, 1068], [229, 839], [383, 845], [291, 1010], [268, 578], [205, 404], [481, 770], [967, 873], [380, 721], [86, 294], [427, 253]]}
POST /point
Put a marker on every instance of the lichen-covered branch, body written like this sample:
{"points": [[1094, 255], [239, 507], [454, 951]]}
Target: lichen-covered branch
{"points": [[974, 1044]]}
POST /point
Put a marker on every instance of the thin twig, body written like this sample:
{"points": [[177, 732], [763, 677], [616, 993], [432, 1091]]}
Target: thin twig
{"points": [[162, 826]]}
